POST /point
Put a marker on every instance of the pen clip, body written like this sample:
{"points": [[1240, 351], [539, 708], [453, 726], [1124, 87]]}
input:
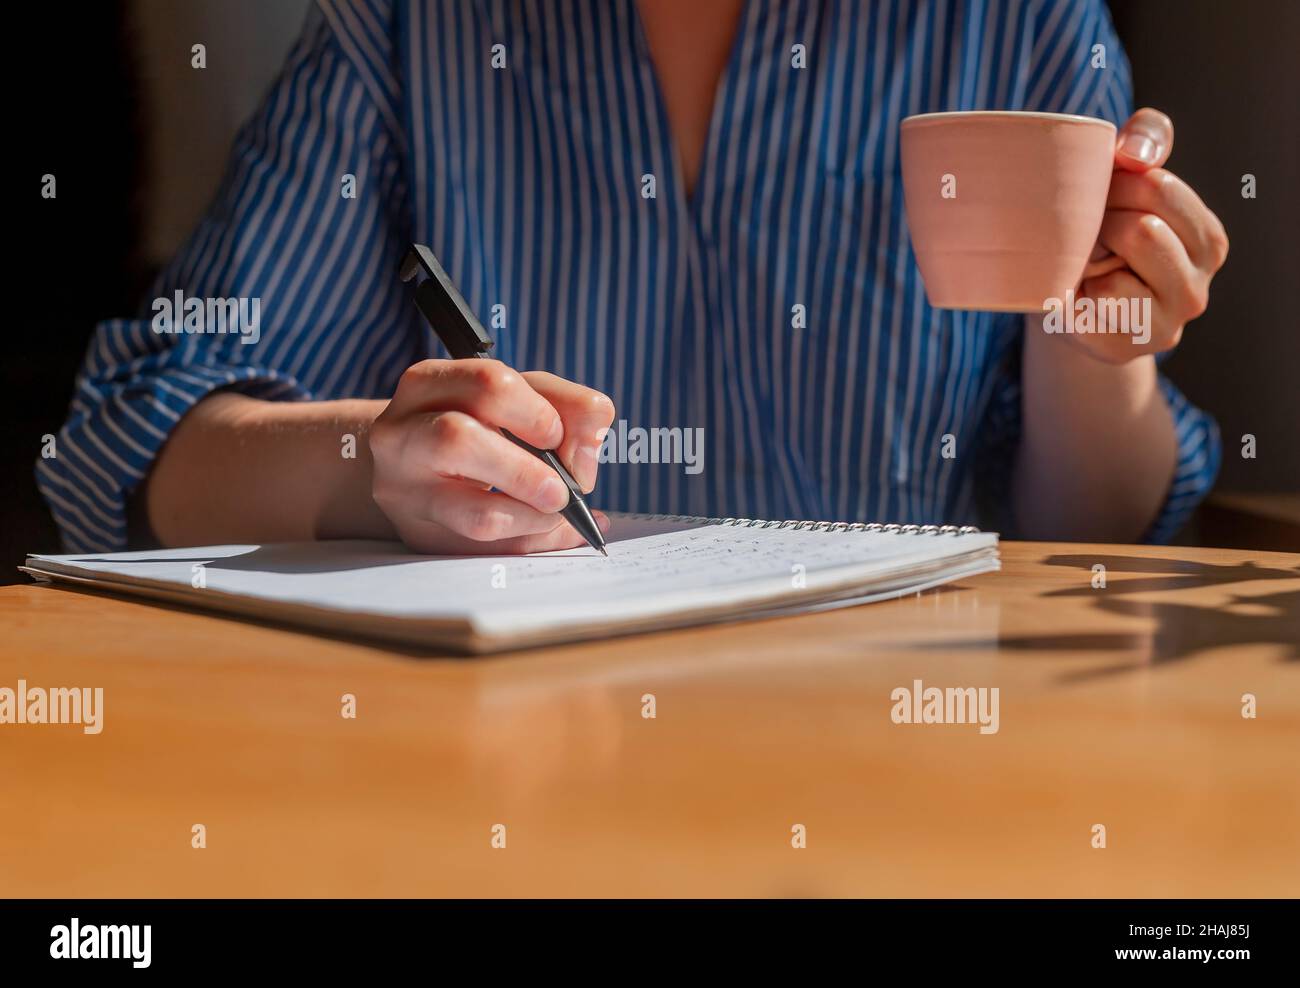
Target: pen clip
{"points": [[443, 307]]}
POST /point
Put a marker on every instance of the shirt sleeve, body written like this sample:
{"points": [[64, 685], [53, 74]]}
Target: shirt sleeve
{"points": [[287, 289], [1064, 75]]}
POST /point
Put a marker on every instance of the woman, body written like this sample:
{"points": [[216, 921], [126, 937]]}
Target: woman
{"points": [[693, 208]]}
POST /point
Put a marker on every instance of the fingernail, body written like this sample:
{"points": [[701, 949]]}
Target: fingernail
{"points": [[602, 520], [584, 465], [1139, 146], [555, 434], [553, 494]]}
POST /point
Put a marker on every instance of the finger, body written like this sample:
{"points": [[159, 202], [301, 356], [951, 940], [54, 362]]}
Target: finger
{"points": [[587, 415], [462, 447], [563, 537], [484, 516], [1155, 254], [1144, 141], [1104, 264], [1112, 343], [486, 389], [560, 536], [1166, 195]]}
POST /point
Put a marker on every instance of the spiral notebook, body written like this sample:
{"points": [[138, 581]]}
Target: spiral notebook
{"points": [[663, 571]]}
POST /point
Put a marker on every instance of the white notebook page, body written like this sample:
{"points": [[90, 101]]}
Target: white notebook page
{"points": [[683, 568]]}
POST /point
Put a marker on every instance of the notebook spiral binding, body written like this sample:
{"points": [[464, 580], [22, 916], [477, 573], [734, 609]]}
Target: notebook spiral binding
{"points": [[811, 526]]}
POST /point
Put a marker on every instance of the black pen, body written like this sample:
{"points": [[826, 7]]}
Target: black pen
{"points": [[463, 335]]}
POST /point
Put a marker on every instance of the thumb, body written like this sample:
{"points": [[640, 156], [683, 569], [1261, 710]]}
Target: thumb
{"points": [[1145, 141]]}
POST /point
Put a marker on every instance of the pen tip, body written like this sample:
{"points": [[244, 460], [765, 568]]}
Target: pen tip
{"points": [[603, 551]]}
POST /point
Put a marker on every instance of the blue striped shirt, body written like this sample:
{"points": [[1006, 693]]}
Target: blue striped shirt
{"points": [[778, 307]]}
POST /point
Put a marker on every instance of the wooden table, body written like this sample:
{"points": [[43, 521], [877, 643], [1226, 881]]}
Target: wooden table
{"points": [[1119, 706]]}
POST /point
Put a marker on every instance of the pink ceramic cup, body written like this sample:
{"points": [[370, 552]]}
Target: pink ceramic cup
{"points": [[1004, 207]]}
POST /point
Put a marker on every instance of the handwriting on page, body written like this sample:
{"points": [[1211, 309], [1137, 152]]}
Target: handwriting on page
{"points": [[700, 558]]}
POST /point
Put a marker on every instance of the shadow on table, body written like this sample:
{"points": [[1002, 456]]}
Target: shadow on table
{"points": [[1172, 574], [1180, 631]]}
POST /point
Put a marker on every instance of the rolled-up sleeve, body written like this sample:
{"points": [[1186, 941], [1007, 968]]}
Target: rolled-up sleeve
{"points": [[303, 238], [1199, 453], [122, 413]]}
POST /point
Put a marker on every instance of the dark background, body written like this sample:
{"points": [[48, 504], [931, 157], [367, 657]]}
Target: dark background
{"points": [[1227, 75], [1225, 72]]}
